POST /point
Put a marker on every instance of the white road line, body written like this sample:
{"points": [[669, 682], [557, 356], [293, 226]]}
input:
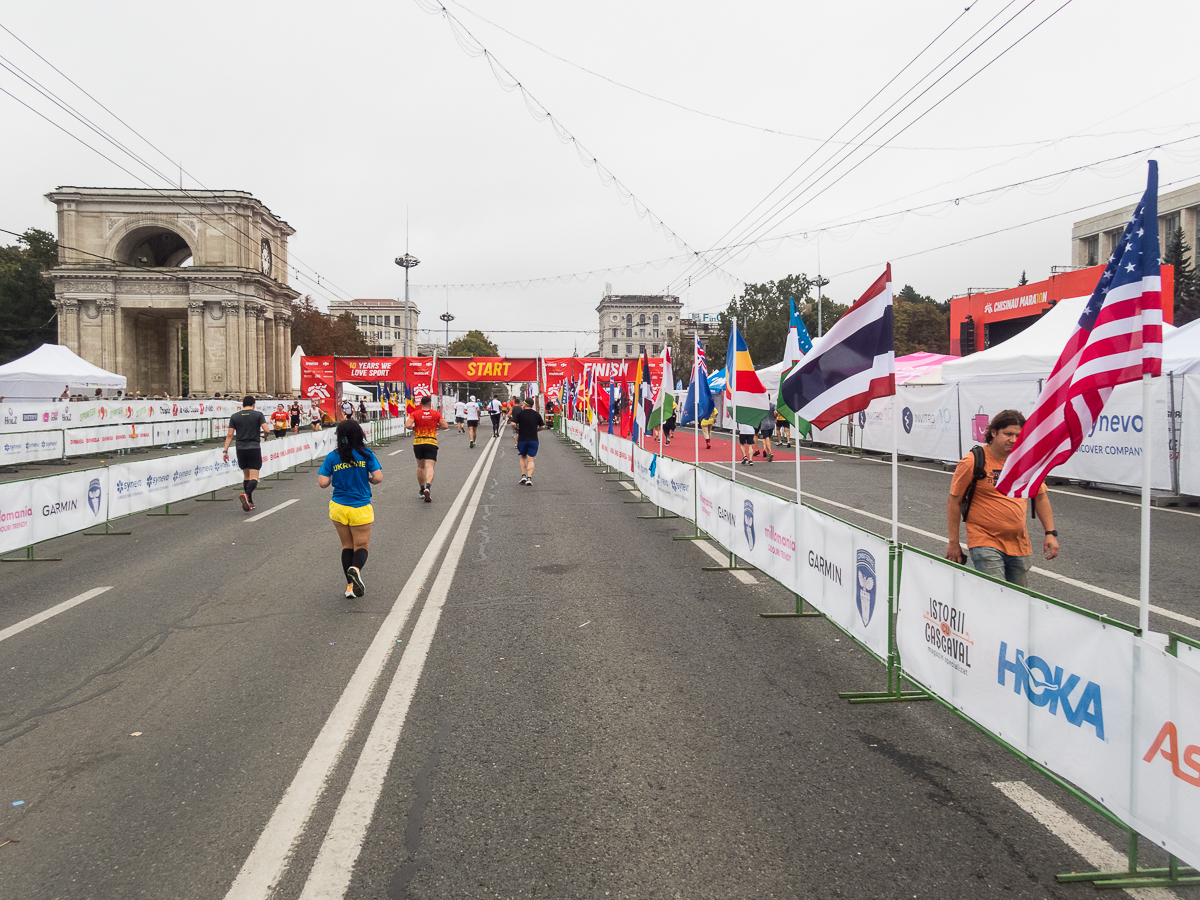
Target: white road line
{"points": [[394, 452], [1112, 595], [51, 612], [1093, 848], [267, 862], [331, 873], [273, 509], [722, 559]]}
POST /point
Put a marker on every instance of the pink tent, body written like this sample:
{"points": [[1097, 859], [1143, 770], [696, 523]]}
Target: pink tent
{"points": [[916, 364]]}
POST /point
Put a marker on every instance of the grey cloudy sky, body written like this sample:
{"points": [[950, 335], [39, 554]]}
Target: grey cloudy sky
{"points": [[339, 117]]}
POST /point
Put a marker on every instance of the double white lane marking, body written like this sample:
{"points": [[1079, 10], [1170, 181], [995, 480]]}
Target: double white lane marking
{"points": [[268, 860], [51, 612], [1103, 592]]}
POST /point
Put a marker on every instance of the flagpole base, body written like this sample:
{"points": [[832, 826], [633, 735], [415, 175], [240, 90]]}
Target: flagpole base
{"points": [[729, 568], [883, 696]]}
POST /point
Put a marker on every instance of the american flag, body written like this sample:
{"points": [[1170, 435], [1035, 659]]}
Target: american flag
{"points": [[1118, 340]]}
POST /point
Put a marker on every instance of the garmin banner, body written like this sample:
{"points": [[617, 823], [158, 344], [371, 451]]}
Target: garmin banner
{"points": [[30, 446]]}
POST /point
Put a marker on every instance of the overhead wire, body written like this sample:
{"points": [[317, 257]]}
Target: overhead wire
{"points": [[505, 78]]}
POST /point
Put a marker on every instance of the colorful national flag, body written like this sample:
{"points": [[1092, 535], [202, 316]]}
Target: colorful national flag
{"points": [[854, 363], [1118, 339], [743, 387], [699, 403], [642, 396], [664, 403], [797, 345]]}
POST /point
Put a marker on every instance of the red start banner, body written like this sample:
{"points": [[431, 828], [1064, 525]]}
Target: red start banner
{"points": [[486, 368]]}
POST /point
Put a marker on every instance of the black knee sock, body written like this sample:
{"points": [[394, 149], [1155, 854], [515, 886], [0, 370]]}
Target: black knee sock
{"points": [[250, 486], [347, 559], [246, 486], [360, 559]]}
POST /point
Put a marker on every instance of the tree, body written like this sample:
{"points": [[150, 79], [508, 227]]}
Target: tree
{"points": [[321, 334], [1187, 282], [763, 316], [920, 323], [27, 316], [473, 343], [1024, 281]]}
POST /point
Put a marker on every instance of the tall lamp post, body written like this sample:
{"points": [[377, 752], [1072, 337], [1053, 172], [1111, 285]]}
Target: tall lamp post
{"points": [[819, 283], [406, 262], [447, 318]]}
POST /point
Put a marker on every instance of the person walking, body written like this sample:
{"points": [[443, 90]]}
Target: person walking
{"points": [[362, 411], [746, 438], [783, 428], [294, 416], [425, 422], [249, 427], [669, 428], [527, 422], [352, 468], [460, 415], [494, 407], [997, 530], [766, 429], [279, 421], [706, 427], [472, 410]]}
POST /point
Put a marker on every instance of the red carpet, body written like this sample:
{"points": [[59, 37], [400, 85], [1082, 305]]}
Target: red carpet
{"points": [[683, 449]]}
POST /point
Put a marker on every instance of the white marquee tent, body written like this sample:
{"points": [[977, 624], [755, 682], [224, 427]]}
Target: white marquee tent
{"points": [[44, 373]]}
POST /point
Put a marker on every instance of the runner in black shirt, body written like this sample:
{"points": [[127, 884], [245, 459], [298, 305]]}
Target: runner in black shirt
{"points": [[527, 423], [249, 426]]}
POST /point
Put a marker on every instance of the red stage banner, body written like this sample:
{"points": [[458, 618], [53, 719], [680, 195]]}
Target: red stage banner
{"points": [[369, 368], [486, 368], [317, 381], [420, 376]]}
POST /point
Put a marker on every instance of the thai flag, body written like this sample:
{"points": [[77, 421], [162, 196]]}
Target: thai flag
{"points": [[851, 365], [1118, 339]]}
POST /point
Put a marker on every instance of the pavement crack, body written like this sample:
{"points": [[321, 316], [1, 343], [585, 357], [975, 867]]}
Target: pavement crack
{"points": [[398, 889]]}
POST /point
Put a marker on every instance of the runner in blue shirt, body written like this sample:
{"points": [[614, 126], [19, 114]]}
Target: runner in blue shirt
{"points": [[352, 468]]}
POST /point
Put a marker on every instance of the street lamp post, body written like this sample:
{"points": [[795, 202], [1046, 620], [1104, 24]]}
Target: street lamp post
{"points": [[406, 262], [447, 318], [819, 283]]}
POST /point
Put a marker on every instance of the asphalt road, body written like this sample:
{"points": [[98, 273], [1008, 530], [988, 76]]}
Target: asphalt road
{"points": [[542, 697]]}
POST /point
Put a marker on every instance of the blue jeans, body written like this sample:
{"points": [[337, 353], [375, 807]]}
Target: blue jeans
{"points": [[991, 561]]}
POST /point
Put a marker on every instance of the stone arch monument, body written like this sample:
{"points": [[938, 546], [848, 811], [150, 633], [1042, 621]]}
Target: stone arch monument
{"points": [[155, 284]]}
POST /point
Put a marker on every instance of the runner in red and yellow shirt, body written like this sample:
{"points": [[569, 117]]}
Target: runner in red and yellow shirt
{"points": [[279, 421], [425, 422]]}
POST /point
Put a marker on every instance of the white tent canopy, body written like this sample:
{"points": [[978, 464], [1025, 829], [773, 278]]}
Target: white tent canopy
{"points": [[45, 372], [296, 356], [353, 390], [1181, 349]]}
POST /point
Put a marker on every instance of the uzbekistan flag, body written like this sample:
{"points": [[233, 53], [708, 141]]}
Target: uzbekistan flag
{"points": [[1118, 340], [751, 397], [854, 364]]}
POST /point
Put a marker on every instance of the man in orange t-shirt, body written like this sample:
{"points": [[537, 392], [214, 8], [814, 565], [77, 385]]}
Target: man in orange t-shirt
{"points": [[997, 534], [425, 422]]}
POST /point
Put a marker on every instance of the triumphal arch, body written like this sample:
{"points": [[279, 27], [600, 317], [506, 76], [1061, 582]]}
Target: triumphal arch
{"points": [[175, 289]]}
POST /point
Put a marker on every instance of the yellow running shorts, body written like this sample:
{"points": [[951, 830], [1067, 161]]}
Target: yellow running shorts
{"points": [[351, 515]]}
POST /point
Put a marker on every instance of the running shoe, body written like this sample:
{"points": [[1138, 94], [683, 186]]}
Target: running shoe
{"points": [[522, 481], [756, 452], [749, 462], [245, 502], [356, 581], [528, 481], [770, 457], [472, 445], [350, 592], [427, 494]]}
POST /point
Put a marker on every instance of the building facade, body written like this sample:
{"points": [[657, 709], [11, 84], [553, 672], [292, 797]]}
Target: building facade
{"points": [[176, 290], [631, 324], [1093, 240], [389, 326], [704, 325]]}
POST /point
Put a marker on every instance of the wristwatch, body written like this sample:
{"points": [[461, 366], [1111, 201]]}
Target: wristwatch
{"points": [[1053, 532]]}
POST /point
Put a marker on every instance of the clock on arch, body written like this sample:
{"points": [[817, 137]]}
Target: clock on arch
{"points": [[266, 256]]}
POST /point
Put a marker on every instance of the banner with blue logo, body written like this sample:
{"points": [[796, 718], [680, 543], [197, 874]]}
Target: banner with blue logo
{"points": [[30, 446], [1188, 412]]}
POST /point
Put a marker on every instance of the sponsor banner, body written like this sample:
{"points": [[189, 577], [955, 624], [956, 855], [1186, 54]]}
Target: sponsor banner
{"points": [[1189, 655], [420, 375], [588, 441], [1112, 451], [65, 503], [979, 402], [1189, 437], [106, 438], [317, 382], [575, 431], [50, 416], [928, 421], [1166, 752], [366, 368], [169, 432], [643, 464], [713, 514], [16, 515], [1055, 684], [486, 368], [843, 572], [675, 484], [30, 446], [617, 452], [765, 533]]}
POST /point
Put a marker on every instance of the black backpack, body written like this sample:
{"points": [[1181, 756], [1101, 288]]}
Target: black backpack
{"points": [[980, 472]]}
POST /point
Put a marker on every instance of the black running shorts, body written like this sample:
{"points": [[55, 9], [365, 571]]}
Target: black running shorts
{"points": [[250, 458], [425, 451]]}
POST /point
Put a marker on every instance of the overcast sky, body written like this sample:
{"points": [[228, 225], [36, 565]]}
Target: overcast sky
{"points": [[339, 117]]}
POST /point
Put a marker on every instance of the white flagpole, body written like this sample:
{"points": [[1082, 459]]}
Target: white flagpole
{"points": [[1147, 444], [696, 395], [735, 436], [895, 473], [795, 432]]}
